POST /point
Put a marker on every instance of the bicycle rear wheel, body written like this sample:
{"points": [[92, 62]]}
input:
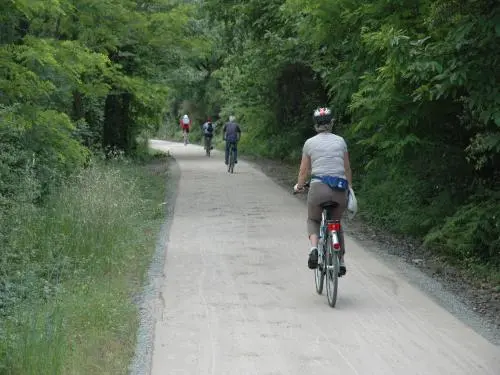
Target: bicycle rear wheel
{"points": [[332, 273], [231, 159], [208, 146]]}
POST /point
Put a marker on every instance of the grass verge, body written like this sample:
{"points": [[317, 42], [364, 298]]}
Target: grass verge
{"points": [[83, 258]]}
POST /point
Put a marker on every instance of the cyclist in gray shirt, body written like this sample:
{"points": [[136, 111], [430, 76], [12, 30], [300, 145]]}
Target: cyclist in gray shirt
{"points": [[231, 133], [325, 156]]}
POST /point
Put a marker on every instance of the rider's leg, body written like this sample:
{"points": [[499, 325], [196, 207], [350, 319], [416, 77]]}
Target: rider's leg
{"points": [[235, 152], [315, 196], [318, 193]]}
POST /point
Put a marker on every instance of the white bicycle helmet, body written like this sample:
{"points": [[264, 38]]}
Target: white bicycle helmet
{"points": [[322, 116], [323, 119]]}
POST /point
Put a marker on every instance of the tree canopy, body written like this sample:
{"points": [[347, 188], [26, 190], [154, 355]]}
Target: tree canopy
{"points": [[414, 87]]}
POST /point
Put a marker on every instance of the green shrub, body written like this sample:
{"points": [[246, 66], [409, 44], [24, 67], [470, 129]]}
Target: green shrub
{"points": [[472, 234]]}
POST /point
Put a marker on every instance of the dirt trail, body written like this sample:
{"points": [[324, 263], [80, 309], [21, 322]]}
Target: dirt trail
{"points": [[238, 297]]}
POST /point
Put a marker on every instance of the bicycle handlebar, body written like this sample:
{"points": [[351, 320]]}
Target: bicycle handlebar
{"points": [[306, 185]]}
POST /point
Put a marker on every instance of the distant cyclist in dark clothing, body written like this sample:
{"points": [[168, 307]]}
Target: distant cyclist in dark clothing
{"points": [[231, 133], [208, 132]]}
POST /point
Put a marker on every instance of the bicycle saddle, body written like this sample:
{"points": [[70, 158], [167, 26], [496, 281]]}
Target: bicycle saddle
{"points": [[329, 204]]}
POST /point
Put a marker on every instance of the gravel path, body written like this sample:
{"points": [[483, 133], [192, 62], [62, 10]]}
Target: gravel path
{"points": [[473, 300], [236, 295]]}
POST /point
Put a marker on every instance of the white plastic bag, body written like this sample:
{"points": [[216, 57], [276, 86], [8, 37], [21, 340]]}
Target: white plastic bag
{"points": [[352, 204]]}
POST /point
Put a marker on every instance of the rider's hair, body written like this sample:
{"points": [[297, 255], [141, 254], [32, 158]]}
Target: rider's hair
{"points": [[232, 118]]}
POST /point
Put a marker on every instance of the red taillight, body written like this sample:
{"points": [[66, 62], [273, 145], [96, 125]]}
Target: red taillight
{"points": [[334, 227]]}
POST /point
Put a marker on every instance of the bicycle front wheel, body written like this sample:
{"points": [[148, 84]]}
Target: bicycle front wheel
{"points": [[332, 274]]}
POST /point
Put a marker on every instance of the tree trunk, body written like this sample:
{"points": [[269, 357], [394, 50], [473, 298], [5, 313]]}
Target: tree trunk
{"points": [[78, 110], [118, 123]]}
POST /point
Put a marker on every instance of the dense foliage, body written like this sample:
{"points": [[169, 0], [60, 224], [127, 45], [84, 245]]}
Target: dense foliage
{"points": [[77, 78], [414, 86]]}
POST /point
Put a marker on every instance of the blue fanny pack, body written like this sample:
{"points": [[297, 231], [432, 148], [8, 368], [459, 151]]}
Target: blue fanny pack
{"points": [[335, 183]]}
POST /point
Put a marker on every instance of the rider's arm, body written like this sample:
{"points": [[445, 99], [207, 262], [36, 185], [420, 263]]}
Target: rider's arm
{"points": [[238, 130], [305, 167], [224, 133], [347, 168]]}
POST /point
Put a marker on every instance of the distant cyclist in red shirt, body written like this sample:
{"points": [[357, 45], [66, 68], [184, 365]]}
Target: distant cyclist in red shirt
{"points": [[185, 126]]}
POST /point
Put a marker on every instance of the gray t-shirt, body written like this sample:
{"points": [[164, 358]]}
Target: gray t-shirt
{"points": [[327, 154]]}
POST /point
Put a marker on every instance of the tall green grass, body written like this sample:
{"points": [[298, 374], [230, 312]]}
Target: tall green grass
{"points": [[78, 263]]}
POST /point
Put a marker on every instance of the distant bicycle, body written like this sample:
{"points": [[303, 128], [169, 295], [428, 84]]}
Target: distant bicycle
{"points": [[330, 250], [208, 145], [232, 158]]}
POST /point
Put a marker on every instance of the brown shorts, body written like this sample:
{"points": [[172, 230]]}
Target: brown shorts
{"points": [[320, 193]]}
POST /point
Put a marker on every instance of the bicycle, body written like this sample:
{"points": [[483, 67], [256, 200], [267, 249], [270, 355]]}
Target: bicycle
{"points": [[232, 157], [330, 250], [208, 145], [185, 134]]}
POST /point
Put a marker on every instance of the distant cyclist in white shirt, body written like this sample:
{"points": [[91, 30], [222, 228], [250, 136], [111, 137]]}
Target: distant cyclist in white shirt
{"points": [[325, 156], [185, 126]]}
